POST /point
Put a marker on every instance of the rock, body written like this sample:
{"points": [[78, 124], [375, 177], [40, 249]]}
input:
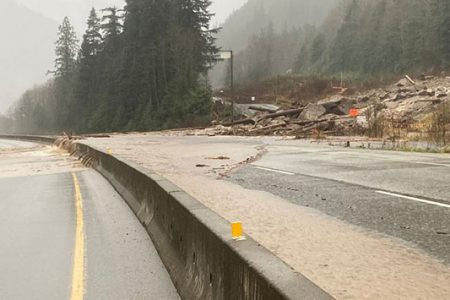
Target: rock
{"points": [[362, 121], [441, 95], [399, 96], [363, 99], [420, 87], [312, 112], [443, 232], [432, 100], [338, 105], [423, 93], [403, 82], [407, 90], [392, 105], [430, 92], [384, 95]]}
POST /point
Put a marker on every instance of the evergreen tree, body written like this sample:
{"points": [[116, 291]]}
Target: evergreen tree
{"points": [[445, 35], [111, 22], [390, 41], [413, 35], [92, 39], [86, 79], [346, 42], [318, 47], [66, 49], [65, 68]]}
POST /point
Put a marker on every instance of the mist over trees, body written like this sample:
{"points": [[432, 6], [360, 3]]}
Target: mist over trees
{"points": [[281, 15], [381, 36], [143, 67], [25, 51], [138, 68], [360, 38], [266, 35]]}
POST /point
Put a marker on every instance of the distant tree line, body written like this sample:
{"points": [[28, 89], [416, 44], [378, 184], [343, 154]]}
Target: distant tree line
{"points": [[256, 15], [361, 38], [140, 68], [269, 30]]}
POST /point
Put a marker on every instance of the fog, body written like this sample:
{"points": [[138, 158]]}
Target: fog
{"points": [[223, 8], [30, 27]]}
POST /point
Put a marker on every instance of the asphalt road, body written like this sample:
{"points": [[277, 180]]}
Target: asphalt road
{"points": [[401, 195], [66, 234]]}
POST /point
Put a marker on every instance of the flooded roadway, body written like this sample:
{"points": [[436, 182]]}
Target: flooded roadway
{"points": [[66, 234]]}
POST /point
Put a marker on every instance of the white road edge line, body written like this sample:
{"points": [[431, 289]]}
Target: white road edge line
{"points": [[414, 199], [432, 164], [275, 171]]}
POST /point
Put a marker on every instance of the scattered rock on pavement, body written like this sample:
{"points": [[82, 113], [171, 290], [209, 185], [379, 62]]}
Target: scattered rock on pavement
{"points": [[404, 103]]}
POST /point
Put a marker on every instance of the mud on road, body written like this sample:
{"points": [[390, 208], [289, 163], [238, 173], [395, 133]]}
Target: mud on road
{"points": [[348, 261]]}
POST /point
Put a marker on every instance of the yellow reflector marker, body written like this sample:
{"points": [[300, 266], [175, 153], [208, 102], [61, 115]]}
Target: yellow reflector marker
{"points": [[237, 231], [109, 151]]}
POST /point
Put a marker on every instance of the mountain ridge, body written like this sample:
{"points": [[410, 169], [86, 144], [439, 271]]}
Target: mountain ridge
{"points": [[255, 15], [27, 52]]}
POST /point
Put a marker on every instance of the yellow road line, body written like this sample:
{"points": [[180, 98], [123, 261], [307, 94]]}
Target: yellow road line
{"points": [[78, 258]]}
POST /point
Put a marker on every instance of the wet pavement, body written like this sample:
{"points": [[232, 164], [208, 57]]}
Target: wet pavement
{"points": [[38, 201], [404, 195], [362, 224]]}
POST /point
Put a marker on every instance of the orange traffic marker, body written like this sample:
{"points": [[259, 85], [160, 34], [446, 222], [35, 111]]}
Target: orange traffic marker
{"points": [[354, 112]]}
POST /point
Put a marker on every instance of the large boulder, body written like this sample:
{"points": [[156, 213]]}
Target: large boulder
{"points": [[312, 112], [338, 105]]}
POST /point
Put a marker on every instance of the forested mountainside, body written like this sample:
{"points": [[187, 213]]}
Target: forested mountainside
{"points": [[25, 52], [361, 38], [144, 68], [381, 36], [280, 14], [137, 69]]}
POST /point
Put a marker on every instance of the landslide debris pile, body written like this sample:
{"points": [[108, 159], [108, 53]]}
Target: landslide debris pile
{"points": [[405, 104]]}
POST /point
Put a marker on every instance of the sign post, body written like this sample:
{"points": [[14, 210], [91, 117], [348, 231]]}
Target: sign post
{"points": [[228, 55]]}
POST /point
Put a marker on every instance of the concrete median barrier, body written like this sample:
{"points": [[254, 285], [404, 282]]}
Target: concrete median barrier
{"points": [[195, 243], [30, 138]]}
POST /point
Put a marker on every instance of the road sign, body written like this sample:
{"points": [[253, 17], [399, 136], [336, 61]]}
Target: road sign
{"points": [[224, 55]]}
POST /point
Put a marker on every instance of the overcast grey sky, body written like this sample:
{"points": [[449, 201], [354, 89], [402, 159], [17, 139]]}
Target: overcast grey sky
{"points": [[77, 10]]}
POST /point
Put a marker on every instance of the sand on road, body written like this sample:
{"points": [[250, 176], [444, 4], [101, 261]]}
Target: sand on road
{"points": [[347, 261]]}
